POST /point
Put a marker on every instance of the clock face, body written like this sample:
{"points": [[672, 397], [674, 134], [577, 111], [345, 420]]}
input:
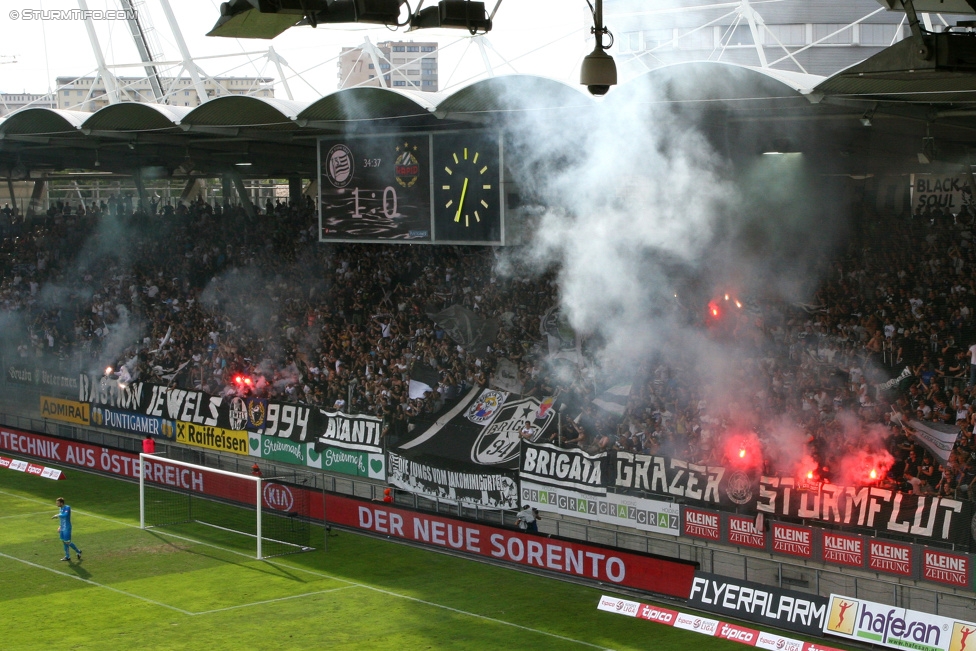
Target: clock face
{"points": [[467, 191]]}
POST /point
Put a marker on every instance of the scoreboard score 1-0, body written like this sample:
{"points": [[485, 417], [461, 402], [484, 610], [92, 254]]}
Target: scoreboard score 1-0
{"points": [[389, 188], [375, 188]]}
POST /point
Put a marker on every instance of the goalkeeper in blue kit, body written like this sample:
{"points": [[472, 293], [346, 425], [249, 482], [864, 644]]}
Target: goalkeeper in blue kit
{"points": [[64, 529]]}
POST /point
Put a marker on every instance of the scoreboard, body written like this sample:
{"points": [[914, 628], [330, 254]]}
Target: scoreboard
{"points": [[426, 187]]}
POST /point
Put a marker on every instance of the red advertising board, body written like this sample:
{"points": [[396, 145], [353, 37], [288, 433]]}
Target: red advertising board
{"points": [[585, 561], [701, 524], [943, 567], [744, 533], [842, 549], [792, 540], [740, 634], [893, 558]]}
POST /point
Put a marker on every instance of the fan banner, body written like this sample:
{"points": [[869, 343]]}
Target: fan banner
{"points": [[557, 468], [484, 428], [298, 423], [477, 486]]}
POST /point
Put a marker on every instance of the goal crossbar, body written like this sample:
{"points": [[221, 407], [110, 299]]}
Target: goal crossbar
{"points": [[159, 471]]}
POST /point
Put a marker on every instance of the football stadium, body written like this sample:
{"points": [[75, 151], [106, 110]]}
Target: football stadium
{"points": [[679, 352]]}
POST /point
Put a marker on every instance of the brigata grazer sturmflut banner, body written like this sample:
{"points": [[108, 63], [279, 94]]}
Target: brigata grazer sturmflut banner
{"points": [[931, 517]]}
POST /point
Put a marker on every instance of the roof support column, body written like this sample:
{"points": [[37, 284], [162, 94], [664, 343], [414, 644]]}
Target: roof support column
{"points": [[193, 186], [235, 177], [36, 194], [295, 189], [141, 189]]}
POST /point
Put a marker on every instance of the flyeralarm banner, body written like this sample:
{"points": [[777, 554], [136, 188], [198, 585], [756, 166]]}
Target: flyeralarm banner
{"points": [[762, 604]]}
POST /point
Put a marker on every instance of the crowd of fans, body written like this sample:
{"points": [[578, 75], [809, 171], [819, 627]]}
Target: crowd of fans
{"points": [[200, 296]]}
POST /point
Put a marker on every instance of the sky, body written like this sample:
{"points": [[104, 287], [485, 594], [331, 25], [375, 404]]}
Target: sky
{"points": [[543, 37]]}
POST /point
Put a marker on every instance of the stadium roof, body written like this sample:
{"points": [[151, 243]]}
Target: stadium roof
{"points": [[750, 110]]}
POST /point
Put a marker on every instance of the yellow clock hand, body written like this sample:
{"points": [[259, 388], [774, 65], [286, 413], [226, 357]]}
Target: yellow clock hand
{"points": [[464, 190]]}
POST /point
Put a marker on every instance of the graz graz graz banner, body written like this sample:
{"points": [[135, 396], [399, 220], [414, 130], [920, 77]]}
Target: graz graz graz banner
{"points": [[931, 517], [485, 488]]}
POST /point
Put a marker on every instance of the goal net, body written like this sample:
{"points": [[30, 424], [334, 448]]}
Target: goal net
{"points": [[263, 514]]}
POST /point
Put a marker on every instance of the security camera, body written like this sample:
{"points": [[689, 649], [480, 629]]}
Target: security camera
{"points": [[598, 72]]}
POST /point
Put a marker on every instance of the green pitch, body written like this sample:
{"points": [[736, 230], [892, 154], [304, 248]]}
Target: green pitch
{"points": [[193, 587]]}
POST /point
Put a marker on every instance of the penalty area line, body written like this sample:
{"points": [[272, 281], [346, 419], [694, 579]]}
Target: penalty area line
{"points": [[274, 601], [96, 584], [352, 584]]}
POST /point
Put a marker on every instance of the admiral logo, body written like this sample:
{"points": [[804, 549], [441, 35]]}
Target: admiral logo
{"points": [[890, 557], [843, 550], [278, 497], [946, 568], [737, 633], [659, 615], [701, 525], [792, 540]]}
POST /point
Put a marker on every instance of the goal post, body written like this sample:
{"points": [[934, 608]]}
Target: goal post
{"points": [[241, 505]]}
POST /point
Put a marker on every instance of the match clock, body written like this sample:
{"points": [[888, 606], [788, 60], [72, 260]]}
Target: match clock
{"points": [[467, 187]]}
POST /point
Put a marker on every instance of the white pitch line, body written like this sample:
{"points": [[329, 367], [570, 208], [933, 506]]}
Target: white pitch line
{"points": [[96, 584], [273, 601], [313, 573], [25, 515]]}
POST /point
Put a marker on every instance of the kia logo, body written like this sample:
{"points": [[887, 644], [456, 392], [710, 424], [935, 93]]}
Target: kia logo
{"points": [[278, 497]]}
